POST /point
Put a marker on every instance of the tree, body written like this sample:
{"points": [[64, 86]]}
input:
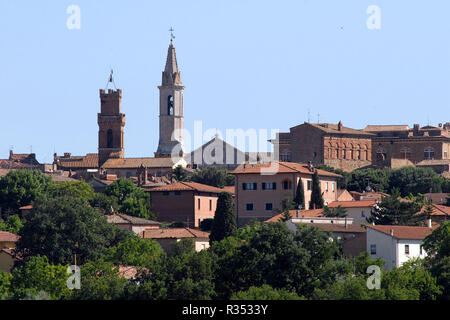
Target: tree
{"points": [[270, 253], [394, 211], [415, 180], [286, 215], [100, 280], [316, 193], [437, 246], [224, 219], [213, 176], [5, 283], [180, 174], [59, 228], [136, 252], [265, 292], [20, 188], [299, 199], [378, 179], [206, 224], [130, 199], [38, 274], [13, 224], [75, 189], [448, 201], [337, 212]]}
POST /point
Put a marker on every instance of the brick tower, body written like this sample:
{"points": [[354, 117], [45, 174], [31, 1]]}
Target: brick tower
{"points": [[110, 126], [171, 120]]}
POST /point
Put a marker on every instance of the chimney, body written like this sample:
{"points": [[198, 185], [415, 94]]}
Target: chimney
{"points": [[429, 223], [416, 127], [440, 125], [11, 153], [340, 126], [392, 232], [310, 166]]}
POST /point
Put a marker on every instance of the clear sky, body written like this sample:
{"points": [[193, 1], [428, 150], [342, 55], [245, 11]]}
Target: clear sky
{"points": [[245, 64]]}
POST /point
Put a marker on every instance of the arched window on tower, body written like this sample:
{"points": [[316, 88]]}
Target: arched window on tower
{"points": [[170, 105], [109, 138]]}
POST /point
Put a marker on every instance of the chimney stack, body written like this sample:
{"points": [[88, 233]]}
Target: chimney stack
{"points": [[392, 232], [429, 223], [340, 126]]}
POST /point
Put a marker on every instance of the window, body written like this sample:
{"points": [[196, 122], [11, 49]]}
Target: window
{"points": [[210, 205], [178, 193], [198, 204], [407, 249], [429, 153], [109, 138], [287, 184], [170, 105], [373, 249], [269, 185], [343, 153], [166, 193], [421, 250], [269, 206], [337, 153], [362, 214], [332, 187], [358, 153], [249, 207], [249, 186], [309, 184], [326, 186]]}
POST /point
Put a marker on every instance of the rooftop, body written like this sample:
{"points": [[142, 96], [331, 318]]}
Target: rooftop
{"points": [[6, 236], [174, 233], [188, 186], [352, 204], [282, 167], [403, 232], [137, 162]]}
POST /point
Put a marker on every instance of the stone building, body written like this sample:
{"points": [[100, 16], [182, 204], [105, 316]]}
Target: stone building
{"points": [[325, 143], [399, 145]]}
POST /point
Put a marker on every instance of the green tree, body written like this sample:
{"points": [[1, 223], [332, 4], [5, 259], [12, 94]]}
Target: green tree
{"points": [[224, 219], [75, 189], [299, 199], [213, 176], [378, 179], [5, 283], [265, 292], [316, 193], [448, 201], [37, 274], [286, 215], [100, 280], [394, 211], [136, 252], [437, 246], [59, 228], [415, 180], [338, 212], [13, 224], [130, 199], [180, 174], [20, 188]]}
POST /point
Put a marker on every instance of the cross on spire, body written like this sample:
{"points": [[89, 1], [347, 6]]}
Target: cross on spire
{"points": [[171, 34]]}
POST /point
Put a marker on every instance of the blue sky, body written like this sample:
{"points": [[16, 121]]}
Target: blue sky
{"points": [[245, 64]]}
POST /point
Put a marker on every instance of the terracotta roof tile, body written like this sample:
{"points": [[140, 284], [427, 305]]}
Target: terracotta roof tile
{"points": [[333, 128], [120, 218], [302, 213], [6, 236], [175, 233], [352, 204], [437, 210], [137, 162], [187, 186], [90, 160], [403, 232], [283, 167], [334, 227]]}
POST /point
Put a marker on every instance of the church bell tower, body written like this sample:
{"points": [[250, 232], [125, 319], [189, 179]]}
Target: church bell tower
{"points": [[171, 120]]}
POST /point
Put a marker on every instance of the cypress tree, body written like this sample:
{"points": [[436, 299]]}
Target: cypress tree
{"points": [[224, 219], [300, 195], [316, 193]]}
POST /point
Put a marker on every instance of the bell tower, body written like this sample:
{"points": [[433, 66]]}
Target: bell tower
{"points": [[171, 120], [110, 125]]}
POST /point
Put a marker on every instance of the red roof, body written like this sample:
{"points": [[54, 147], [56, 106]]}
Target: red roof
{"points": [[6, 236], [437, 210], [302, 214], [352, 204], [173, 233], [403, 232], [187, 186], [283, 167]]}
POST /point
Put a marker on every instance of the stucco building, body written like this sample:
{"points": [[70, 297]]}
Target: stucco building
{"points": [[260, 189], [187, 202]]}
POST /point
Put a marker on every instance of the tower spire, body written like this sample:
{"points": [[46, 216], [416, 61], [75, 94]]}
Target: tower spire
{"points": [[171, 74]]}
